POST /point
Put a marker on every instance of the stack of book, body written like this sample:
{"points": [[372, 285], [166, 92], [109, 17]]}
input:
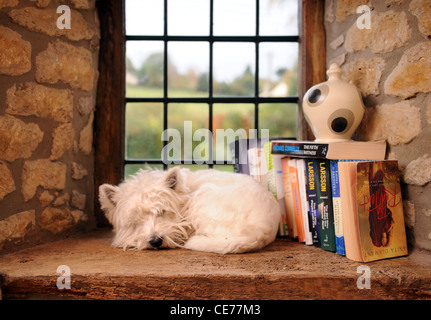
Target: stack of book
{"points": [[340, 196]]}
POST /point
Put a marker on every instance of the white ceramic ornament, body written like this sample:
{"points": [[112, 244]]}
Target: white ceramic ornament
{"points": [[333, 109]]}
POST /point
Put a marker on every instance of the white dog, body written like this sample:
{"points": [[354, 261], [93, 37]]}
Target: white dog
{"points": [[207, 210]]}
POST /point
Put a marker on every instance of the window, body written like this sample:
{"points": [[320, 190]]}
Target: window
{"points": [[207, 64], [110, 124]]}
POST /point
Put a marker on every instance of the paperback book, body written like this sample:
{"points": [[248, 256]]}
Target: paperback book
{"points": [[372, 211]]}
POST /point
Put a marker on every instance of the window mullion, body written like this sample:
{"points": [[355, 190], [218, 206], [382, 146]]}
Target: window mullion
{"points": [[165, 81], [256, 74], [210, 82]]}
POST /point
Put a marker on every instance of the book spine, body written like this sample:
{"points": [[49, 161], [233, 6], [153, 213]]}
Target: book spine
{"points": [[300, 149], [284, 230], [256, 163], [275, 184], [327, 232], [238, 151], [296, 199], [303, 193], [312, 196], [288, 199], [336, 204], [270, 172]]}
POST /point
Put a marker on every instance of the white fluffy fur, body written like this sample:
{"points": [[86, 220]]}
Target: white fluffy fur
{"points": [[207, 210]]}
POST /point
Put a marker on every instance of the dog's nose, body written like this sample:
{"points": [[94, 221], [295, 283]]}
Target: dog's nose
{"points": [[156, 242]]}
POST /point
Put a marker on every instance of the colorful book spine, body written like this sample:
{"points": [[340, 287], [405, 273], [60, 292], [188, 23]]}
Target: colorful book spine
{"points": [[288, 199], [296, 199], [312, 196], [327, 232], [336, 204], [300, 163], [275, 185]]}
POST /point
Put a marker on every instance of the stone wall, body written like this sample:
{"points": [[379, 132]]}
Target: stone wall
{"points": [[390, 62], [48, 80]]}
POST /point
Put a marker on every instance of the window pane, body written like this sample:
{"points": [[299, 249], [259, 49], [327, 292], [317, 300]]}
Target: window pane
{"points": [[144, 17], [234, 69], [188, 17], [188, 65], [231, 122], [234, 17], [144, 127], [278, 69], [279, 118], [278, 18], [189, 136], [132, 169], [144, 68]]}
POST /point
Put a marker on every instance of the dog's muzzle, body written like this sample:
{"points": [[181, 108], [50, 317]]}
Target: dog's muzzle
{"points": [[156, 242]]}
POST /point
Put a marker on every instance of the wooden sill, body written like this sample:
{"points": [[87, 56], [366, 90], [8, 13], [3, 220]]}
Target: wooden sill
{"points": [[283, 270]]}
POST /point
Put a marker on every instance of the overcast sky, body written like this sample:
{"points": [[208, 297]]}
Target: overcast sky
{"points": [[231, 17]]}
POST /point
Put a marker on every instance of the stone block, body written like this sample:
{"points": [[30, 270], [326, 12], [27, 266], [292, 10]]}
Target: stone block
{"points": [[380, 38], [86, 105], [15, 53], [86, 136], [79, 215], [45, 21], [7, 185], [62, 138], [365, 74], [78, 200], [64, 199], [44, 173], [412, 74], [409, 213], [30, 98], [56, 220], [390, 3], [8, 3], [45, 198], [16, 226], [66, 63], [398, 123], [418, 172], [337, 42], [42, 3], [18, 139], [422, 10], [78, 171], [84, 4]]}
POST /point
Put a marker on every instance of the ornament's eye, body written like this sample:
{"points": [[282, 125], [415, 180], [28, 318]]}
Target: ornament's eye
{"points": [[317, 95], [314, 96], [339, 124], [341, 120]]}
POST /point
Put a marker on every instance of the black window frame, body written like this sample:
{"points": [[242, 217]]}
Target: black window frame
{"points": [[211, 99]]}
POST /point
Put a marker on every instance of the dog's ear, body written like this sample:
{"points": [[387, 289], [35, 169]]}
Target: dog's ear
{"points": [[172, 178], [107, 196]]}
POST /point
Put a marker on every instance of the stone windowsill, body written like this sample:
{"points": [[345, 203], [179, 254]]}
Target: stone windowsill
{"points": [[283, 270]]}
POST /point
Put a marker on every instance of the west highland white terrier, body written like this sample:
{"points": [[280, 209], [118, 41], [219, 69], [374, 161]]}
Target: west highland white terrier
{"points": [[206, 210]]}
